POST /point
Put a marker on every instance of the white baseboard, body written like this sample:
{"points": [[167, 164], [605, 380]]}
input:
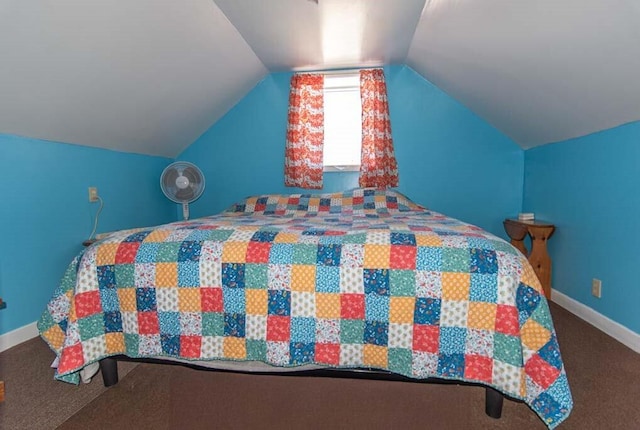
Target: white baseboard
{"points": [[617, 331], [17, 336]]}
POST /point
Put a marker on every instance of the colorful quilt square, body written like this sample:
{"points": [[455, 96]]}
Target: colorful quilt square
{"points": [[541, 372], [507, 349], [429, 258], [426, 338], [507, 320], [455, 260], [376, 307], [91, 326], [352, 255], [527, 300], [235, 347], [377, 256], [478, 368], [479, 342], [329, 255], [256, 302], [403, 239], [256, 276], [484, 288], [452, 340], [550, 353], [211, 299], [256, 350], [327, 331], [278, 328], [279, 302], [109, 300], [166, 275], [352, 331], [234, 252], [554, 412], [148, 323], [303, 277], [233, 275], [301, 353], [482, 315], [303, 304], [115, 343], [281, 253], [169, 322], [212, 324], [305, 253], [402, 257], [402, 283], [451, 365], [87, 304], [483, 261], [189, 251], [400, 335], [376, 281], [190, 346], [258, 252], [375, 356], [303, 329], [112, 322], [146, 299], [125, 275], [234, 325], [147, 253], [264, 236], [455, 286], [126, 252], [427, 311], [188, 274], [352, 306], [106, 276], [376, 333], [170, 344], [168, 252], [428, 284], [233, 300], [327, 353], [328, 279], [400, 360], [279, 277], [328, 305], [401, 310], [190, 323]]}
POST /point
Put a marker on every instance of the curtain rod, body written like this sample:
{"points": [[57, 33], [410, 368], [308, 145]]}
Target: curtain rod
{"points": [[336, 72]]}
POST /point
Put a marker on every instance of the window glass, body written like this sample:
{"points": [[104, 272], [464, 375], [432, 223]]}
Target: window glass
{"points": [[342, 122]]}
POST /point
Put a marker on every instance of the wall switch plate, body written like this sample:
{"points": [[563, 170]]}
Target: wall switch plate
{"points": [[93, 194], [596, 287]]}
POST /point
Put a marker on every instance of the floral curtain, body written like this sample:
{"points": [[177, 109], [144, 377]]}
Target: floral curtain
{"points": [[378, 166], [305, 132]]}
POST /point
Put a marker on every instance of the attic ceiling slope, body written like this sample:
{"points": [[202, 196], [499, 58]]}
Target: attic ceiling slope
{"points": [[139, 76], [540, 72], [332, 34]]}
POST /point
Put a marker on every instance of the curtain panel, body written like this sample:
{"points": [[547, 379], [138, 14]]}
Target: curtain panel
{"points": [[378, 166], [305, 132]]}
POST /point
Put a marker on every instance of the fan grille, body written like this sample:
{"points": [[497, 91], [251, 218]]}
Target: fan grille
{"points": [[183, 172]]}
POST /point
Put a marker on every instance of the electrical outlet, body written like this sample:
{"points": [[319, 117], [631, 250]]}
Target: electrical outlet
{"points": [[93, 194], [596, 287]]}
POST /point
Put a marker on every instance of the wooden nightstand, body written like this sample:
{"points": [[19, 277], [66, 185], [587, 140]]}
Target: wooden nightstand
{"points": [[540, 232]]}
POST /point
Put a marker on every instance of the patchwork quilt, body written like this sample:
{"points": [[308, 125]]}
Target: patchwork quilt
{"points": [[364, 278]]}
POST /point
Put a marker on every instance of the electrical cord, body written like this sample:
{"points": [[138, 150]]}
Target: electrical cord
{"points": [[95, 224]]}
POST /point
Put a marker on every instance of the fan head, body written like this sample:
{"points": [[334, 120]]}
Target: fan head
{"points": [[182, 182]]}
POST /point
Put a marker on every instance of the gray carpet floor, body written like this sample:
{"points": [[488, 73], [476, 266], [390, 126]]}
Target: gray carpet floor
{"points": [[604, 376]]}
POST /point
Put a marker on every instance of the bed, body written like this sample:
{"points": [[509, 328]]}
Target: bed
{"points": [[364, 279]]}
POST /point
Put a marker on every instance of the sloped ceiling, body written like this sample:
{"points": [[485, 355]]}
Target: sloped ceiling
{"points": [[151, 76]]}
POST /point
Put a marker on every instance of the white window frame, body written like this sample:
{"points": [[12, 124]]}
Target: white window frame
{"points": [[342, 125]]}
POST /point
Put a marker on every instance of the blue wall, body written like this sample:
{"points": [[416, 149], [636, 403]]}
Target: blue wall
{"points": [[45, 213], [449, 159], [588, 187]]}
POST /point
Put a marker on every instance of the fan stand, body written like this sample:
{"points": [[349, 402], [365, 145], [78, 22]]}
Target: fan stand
{"points": [[185, 210]]}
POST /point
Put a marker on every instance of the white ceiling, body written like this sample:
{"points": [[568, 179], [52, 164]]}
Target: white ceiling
{"points": [[150, 76]]}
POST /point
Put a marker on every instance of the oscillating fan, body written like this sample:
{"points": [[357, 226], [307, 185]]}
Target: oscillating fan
{"points": [[182, 182]]}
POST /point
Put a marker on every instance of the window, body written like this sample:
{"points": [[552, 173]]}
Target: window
{"points": [[342, 123]]}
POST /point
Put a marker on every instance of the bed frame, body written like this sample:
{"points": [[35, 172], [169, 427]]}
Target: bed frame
{"points": [[493, 398]]}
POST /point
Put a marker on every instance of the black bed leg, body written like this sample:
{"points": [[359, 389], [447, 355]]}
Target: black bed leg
{"points": [[493, 403], [109, 369]]}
